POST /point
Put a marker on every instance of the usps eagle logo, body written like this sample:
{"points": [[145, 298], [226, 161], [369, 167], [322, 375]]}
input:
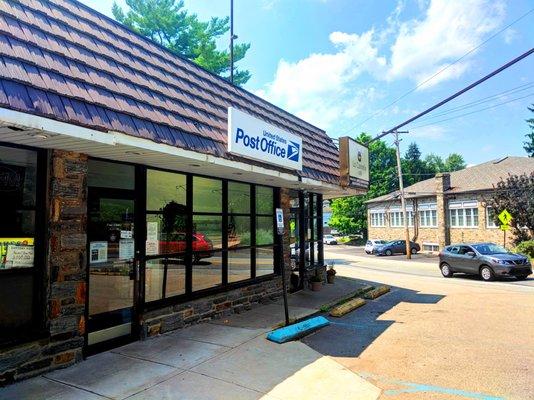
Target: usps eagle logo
{"points": [[293, 151]]}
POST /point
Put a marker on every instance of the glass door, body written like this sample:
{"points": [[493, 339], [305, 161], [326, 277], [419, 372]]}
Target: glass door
{"points": [[113, 268]]}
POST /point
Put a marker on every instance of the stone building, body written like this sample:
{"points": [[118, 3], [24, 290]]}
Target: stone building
{"points": [[125, 213], [450, 208]]}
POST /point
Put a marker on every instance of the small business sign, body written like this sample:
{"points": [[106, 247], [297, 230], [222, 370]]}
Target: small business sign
{"points": [[280, 221], [253, 138], [353, 163]]}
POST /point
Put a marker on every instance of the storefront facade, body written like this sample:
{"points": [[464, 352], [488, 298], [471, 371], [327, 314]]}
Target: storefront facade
{"points": [[126, 212]]}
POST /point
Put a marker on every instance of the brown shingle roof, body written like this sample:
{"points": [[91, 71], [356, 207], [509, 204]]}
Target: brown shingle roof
{"points": [[479, 177], [61, 59]]}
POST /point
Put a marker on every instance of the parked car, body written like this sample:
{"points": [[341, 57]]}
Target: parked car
{"points": [[395, 247], [176, 243], [372, 244], [329, 239], [488, 260]]}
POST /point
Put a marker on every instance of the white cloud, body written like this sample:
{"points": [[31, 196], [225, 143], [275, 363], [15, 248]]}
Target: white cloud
{"points": [[429, 132], [326, 87], [319, 88], [448, 31]]}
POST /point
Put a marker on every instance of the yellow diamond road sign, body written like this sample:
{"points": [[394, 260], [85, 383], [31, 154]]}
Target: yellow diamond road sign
{"points": [[505, 217], [505, 227]]}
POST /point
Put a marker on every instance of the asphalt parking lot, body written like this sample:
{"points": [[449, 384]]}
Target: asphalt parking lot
{"points": [[359, 251]]}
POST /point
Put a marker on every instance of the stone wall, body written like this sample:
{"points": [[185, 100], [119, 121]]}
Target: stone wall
{"points": [[65, 275], [207, 308]]}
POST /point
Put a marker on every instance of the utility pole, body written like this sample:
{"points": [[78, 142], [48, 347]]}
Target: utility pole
{"points": [[232, 37], [403, 200]]}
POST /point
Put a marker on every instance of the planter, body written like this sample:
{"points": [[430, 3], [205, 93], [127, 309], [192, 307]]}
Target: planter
{"points": [[316, 286], [330, 278]]}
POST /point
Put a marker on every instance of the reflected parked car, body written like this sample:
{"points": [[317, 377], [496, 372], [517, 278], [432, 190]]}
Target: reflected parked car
{"points": [[176, 243], [396, 247], [488, 260], [372, 244], [329, 239]]}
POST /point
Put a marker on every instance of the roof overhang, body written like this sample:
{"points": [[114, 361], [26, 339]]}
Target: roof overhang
{"points": [[36, 131]]}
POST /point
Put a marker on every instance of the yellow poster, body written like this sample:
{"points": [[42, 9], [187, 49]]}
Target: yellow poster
{"points": [[14, 252]]}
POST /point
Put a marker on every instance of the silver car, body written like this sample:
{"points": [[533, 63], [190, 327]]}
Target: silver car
{"points": [[488, 260]]}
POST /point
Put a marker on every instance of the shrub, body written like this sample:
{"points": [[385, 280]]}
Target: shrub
{"points": [[526, 248]]}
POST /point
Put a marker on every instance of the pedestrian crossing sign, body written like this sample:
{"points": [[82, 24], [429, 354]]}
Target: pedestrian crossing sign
{"points": [[505, 217]]}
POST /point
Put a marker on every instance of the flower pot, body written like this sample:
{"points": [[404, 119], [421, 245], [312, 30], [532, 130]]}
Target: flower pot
{"points": [[316, 286], [330, 278]]}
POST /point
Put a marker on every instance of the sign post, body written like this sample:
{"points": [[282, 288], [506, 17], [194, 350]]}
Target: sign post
{"points": [[280, 231]]}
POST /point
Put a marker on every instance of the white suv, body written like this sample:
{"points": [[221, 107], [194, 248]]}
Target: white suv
{"points": [[329, 239], [371, 244]]}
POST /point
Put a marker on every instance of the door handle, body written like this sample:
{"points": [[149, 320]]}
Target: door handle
{"points": [[134, 273]]}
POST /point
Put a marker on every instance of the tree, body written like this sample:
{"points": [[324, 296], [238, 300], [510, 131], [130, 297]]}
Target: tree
{"points": [[529, 144], [516, 194], [454, 162], [167, 22], [413, 168], [349, 214], [435, 163]]}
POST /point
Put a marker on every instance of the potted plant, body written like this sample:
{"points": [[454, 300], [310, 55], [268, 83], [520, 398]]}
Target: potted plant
{"points": [[330, 274], [316, 282]]}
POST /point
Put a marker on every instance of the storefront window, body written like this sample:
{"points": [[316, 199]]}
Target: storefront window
{"points": [[18, 239], [209, 242]]}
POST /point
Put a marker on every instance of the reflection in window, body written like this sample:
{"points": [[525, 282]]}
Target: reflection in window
{"points": [[264, 231], [207, 233], [264, 261], [238, 265], [164, 274], [238, 198], [164, 188], [207, 272], [238, 231], [207, 195], [264, 200], [18, 180]]}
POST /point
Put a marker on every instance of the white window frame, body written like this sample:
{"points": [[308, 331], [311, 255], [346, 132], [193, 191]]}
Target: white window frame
{"points": [[490, 223], [433, 246], [396, 217], [461, 212], [428, 218], [378, 219]]}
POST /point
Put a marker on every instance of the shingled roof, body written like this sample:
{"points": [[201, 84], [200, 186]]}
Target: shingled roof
{"points": [[477, 178], [62, 60]]}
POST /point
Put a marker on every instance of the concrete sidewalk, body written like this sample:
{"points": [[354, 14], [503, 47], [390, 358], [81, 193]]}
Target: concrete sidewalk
{"points": [[224, 359]]}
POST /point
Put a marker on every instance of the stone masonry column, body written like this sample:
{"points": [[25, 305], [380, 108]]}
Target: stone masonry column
{"points": [[443, 183], [67, 255]]}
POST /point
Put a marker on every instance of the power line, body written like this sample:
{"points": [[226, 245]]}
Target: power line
{"points": [[487, 99], [474, 112], [458, 93], [442, 70]]}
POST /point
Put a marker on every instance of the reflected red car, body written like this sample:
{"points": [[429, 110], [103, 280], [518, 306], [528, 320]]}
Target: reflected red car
{"points": [[202, 246]]}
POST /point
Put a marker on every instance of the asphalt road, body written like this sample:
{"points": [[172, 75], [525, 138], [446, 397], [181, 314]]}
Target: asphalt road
{"points": [[432, 337]]}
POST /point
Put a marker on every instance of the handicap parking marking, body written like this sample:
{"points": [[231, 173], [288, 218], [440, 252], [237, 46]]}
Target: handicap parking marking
{"points": [[410, 387]]}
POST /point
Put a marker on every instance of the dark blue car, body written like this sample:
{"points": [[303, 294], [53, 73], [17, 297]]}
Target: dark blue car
{"points": [[396, 247]]}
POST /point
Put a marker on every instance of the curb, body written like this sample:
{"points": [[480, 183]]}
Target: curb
{"points": [[379, 291], [347, 307]]}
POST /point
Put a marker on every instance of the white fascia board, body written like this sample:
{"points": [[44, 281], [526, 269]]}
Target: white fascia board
{"points": [[24, 120]]}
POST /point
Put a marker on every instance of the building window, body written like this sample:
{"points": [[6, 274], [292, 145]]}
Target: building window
{"points": [[430, 247], [490, 218], [396, 219], [205, 233], [378, 219], [428, 219], [20, 241], [463, 217]]}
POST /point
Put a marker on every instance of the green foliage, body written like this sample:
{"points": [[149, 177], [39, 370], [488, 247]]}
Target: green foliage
{"points": [[526, 248], [529, 144], [516, 194], [167, 22], [349, 214]]}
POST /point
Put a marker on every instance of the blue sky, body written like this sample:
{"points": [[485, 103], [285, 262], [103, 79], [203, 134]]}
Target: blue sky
{"points": [[336, 63]]}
